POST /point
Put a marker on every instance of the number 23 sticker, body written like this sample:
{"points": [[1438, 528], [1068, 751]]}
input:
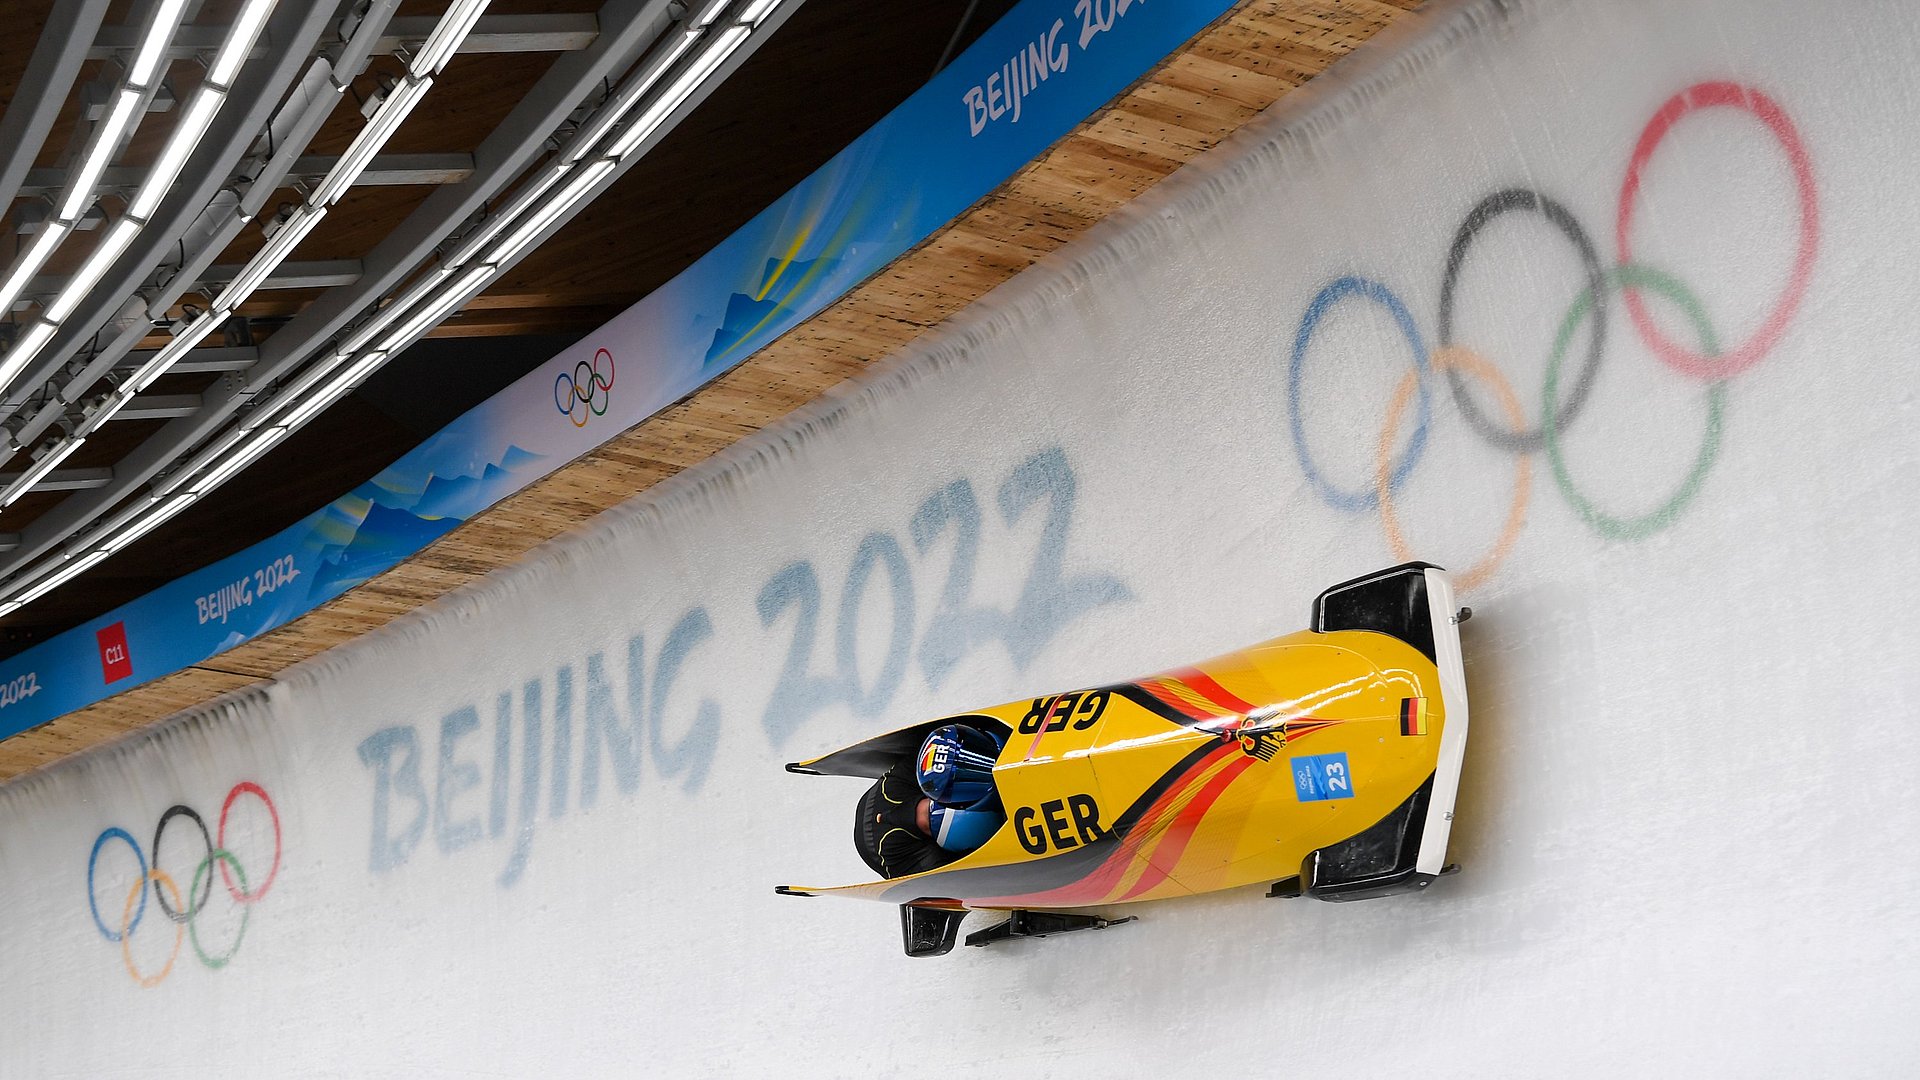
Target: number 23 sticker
{"points": [[1320, 777]]}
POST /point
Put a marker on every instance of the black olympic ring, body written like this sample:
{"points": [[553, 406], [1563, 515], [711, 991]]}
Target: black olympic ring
{"points": [[1493, 206], [193, 904]]}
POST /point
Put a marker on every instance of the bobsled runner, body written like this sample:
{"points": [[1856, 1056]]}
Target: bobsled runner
{"points": [[1324, 762]]}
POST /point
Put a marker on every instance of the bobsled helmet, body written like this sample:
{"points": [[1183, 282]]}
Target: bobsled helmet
{"points": [[955, 766]]}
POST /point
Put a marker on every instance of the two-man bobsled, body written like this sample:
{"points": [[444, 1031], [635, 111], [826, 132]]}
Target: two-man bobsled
{"points": [[1324, 762]]}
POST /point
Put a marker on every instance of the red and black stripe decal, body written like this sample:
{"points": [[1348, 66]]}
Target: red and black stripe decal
{"points": [[1081, 870], [1166, 710]]}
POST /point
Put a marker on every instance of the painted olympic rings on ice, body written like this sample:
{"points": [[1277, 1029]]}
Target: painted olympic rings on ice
{"points": [[1453, 361], [587, 389], [227, 861], [1616, 528], [160, 831], [241, 895], [1632, 281], [1339, 290], [1517, 436], [1709, 95], [125, 937], [139, 891], [182, 910]]}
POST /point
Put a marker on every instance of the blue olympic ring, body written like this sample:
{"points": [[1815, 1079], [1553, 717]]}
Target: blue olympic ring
{"points": [[584, 386], [1368, 499], [94, 905]]}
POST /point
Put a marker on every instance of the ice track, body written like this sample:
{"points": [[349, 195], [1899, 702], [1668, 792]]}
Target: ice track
{"points": [[1607, 307]]}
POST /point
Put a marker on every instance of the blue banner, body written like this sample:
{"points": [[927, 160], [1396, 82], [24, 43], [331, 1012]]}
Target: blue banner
{"points": [[1042, 69]]}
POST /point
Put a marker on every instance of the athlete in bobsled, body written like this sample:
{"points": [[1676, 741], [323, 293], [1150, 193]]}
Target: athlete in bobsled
{"points": [[933, 807], [1324, 762]]}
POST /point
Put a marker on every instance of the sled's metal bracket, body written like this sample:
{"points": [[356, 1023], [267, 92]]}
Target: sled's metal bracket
{"points": [[1040, 924]]}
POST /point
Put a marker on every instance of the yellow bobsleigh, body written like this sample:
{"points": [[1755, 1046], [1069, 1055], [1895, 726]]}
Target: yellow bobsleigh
{"points": [[1324, 762]]}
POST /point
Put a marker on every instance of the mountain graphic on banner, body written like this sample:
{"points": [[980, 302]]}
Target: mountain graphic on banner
{"points": [[748, 314], [385, 537], [459, 496], [376, 527], [451, 494], [516, 459]]}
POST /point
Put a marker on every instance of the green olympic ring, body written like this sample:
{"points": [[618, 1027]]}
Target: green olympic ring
{"points": [[1634, 276], [193, 924]]}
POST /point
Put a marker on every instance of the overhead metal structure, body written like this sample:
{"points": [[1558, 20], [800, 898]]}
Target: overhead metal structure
{"points": [[248, 99]]}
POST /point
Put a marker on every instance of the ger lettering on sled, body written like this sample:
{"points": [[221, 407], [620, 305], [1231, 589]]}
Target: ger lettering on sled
{"points": [[1325, 762]]}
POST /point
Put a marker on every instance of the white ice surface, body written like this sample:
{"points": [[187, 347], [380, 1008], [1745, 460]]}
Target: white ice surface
{"points": [[1688, 814]]}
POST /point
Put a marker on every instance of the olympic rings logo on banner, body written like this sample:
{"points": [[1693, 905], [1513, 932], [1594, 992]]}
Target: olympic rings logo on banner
{"points": [[182, 909], [1704, 359], [585, 392]]}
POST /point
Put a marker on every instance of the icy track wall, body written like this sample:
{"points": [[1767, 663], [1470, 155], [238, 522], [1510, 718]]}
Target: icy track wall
{"points": [[1608, 307]]}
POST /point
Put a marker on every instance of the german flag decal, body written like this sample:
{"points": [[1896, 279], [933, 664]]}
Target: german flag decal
{"points": [[1413, 716]]}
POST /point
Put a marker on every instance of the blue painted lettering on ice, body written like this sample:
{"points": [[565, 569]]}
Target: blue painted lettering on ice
{"points": [[1048, 602], [621, 726], [403, 807]]}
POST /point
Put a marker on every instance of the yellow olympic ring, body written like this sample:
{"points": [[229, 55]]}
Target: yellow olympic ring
{"points": [[1455, 358], [126, 928]]}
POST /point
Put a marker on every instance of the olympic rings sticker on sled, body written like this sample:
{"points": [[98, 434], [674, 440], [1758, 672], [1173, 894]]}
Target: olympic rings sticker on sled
{"points": [[183, 909], [1627, 278]]}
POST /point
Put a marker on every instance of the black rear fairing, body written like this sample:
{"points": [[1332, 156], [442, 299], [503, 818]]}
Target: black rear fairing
{"points": [[930, 931], [1378, 861], [1391, 602]]}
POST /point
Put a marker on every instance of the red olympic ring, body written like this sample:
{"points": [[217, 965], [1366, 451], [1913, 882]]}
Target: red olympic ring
{"points": [[1703, 96], [612, 373], [239, 893]]}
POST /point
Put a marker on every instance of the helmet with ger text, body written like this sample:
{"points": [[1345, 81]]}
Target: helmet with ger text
{"points": [[955, 767]]}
